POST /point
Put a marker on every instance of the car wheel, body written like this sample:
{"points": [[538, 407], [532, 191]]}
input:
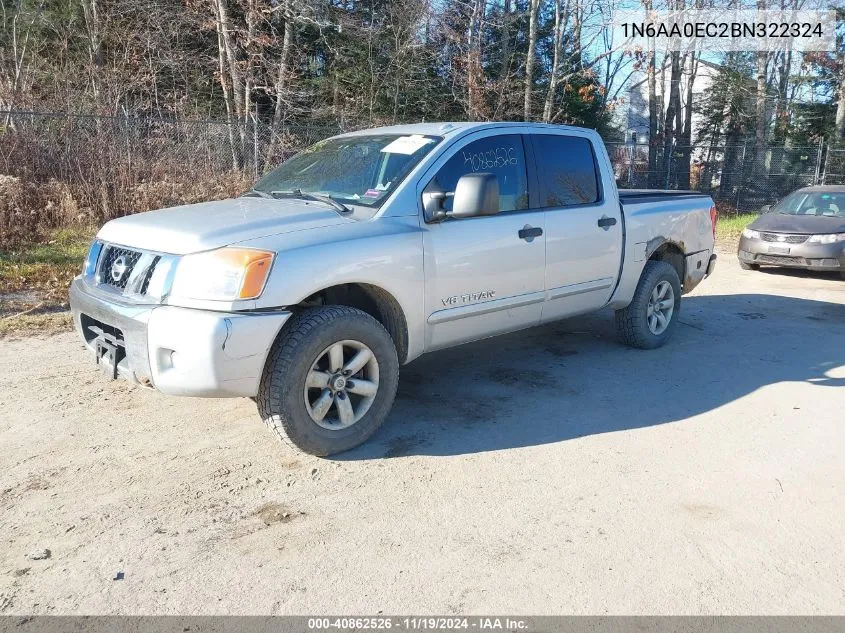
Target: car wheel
{"points": [[330, 380], [650, 318], [745, 266]]}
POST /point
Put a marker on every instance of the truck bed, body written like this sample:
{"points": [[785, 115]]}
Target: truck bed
{"points": [[639, 196]]}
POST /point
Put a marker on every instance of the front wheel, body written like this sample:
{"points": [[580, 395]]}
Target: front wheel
{"points": [[330, 380], [650, 318]]}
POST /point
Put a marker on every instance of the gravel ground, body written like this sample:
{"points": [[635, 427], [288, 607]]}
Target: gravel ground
{"points": [[551, 471]]}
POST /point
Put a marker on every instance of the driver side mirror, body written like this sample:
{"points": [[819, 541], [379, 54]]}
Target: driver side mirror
{"points": [[475, 194]]}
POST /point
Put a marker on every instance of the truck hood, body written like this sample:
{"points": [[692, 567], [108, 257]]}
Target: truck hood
{"points": [[200, 227], [785, 223]]}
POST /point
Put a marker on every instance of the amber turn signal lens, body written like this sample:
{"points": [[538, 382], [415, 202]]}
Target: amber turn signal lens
{"points": [[254, 264], [256, 270]]}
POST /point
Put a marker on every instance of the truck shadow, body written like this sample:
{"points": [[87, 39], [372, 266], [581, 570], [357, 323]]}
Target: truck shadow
{"points": [[799, 273], [573, 378]]}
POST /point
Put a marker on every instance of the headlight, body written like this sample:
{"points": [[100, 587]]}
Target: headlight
{"points": [[227, 274], [830, 238], [751, 234], [90, 265]]}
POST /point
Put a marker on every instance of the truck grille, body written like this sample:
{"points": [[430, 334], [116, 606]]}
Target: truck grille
{"points": [[118, 264], [783, 238], [126, 270], [145, 282], [780, 260]]}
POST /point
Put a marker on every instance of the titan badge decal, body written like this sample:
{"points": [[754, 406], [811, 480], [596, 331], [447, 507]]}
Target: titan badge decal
{"points": [[469, 297]]}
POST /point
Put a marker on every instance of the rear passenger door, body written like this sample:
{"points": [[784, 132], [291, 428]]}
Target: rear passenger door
{"points": [[583, 225]]}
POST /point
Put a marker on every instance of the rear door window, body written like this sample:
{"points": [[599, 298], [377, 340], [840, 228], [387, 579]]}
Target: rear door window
{"points": [[503, 156], [567, 170]]}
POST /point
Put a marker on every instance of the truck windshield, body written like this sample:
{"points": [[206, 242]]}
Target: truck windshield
{"points": [[816, 203], [355, 169]]}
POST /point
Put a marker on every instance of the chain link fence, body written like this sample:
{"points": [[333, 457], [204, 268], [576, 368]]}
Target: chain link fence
{"points": [[57, 142], [834, 167], [56, 169]]}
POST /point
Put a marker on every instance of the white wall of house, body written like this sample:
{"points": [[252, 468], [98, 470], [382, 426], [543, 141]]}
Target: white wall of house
{"points": [[633, 118]]}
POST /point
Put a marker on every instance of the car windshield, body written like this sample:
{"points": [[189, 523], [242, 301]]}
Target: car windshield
{"points": [[829, 203], [355, 169]]}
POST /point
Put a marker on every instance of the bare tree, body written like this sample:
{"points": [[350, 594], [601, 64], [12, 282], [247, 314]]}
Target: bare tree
{"points": [[16, 58], [505, 47], [93, 32], [616, 63], [534, 6], [839, 124], [651, 71], [761, 122], [283, 72], [685, 139], [672, 111], [561, 22], [229, 97]]}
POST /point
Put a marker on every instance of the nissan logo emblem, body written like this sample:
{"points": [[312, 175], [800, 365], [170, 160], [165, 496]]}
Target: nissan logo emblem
{"points": [[118, 268]]}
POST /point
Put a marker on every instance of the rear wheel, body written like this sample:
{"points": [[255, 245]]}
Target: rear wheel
{"points": [[330, 380], [745, 266], [650, 318]]}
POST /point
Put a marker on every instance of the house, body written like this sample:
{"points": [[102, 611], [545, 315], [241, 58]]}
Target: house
{"points": [[634, 119], [630, 158]]}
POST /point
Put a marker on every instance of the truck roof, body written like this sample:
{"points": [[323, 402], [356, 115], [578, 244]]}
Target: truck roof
{"points": [[449, 128]]}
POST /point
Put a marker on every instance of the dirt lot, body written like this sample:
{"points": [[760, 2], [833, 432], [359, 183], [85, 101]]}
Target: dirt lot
{"points": [[552, 471]]}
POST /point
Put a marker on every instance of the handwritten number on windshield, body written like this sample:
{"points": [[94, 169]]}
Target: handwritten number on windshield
{"points": [[490, 159]]}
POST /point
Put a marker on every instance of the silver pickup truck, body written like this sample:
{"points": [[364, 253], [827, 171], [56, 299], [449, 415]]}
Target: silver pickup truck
{"points": [[369, 249]]}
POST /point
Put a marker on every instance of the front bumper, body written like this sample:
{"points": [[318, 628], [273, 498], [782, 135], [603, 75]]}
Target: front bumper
{"points": [[812, 256], [179, 351]]}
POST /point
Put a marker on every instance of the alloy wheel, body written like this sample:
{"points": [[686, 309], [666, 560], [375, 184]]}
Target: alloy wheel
{"points": [[661, 306], [341, 385]]}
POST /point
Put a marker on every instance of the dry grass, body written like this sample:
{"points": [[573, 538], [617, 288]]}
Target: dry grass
{"points": [[31, 211], [39, 256], [34, 281], [57, 172], [35, 324]]}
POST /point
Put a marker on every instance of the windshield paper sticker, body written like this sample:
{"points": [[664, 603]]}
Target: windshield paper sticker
{"points": [[406, 144], [372, 193]]}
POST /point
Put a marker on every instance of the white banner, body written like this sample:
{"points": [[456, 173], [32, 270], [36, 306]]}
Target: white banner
{"points": [[725, 30]]}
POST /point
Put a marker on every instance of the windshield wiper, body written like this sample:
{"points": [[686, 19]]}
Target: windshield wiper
{"points": [[260, 194], [307, 195]]}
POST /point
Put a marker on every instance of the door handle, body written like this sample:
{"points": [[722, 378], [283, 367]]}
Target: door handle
{"points": [[528, 232], [606, 222]]}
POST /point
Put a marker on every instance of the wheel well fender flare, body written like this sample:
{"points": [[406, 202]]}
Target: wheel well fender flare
{"points": [[369, 298], [662, 249]]}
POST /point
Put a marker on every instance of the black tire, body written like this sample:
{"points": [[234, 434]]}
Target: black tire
{"points": [[745, 266], [281, 400], [632, 321]]}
